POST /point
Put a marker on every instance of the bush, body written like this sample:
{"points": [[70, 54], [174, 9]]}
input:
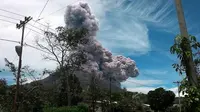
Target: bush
{"points": [[79, 108], [83, 107], [173, 109]]}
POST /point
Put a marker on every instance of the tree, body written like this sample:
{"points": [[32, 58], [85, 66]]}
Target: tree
{"points": [[160, 99], [192, 93], [3, 97], [29, 95], [3, 86], [126, 102], [173, 109], [93, 91], [75, 91], [60, 47], [185, 46], [191, 100]]}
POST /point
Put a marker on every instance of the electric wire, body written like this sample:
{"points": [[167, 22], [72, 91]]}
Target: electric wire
{"points": [[7, 40], [12, 12], [43, 9], [42, 24], [36, 27], [26, 27], [7, 21], [25, 44], [37, 17], [35, 31], [137, 83], [9, 17], [28, 23], [22, 16], [57, 10], [54, 12], [35, 48]]}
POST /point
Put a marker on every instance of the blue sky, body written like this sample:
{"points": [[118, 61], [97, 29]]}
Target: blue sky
{"points": [[158, 27], [140, 29]]}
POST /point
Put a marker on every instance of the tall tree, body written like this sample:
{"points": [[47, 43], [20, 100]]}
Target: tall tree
{"points": [[75, 89], [27, 92], [192, 92], [185, 45], [94, 91], [160, 99], [60, 48]]}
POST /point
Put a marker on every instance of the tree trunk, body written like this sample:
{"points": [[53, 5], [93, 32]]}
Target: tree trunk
{"points": [[65, 76], [190, 69], [68, 91]]}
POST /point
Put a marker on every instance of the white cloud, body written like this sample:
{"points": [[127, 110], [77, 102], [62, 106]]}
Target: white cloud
{"points": [[154, 72], [31, 56], [130, 36], [175, 90], [128, 24], [145, 90], [132, 82]]}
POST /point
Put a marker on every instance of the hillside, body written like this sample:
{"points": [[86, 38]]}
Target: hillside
{"points": [[52, 81]]}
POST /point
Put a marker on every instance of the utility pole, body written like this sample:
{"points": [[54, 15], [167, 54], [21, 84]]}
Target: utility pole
{"points": [[179, 100], [110, 94], [189, 64], [19, 52]]}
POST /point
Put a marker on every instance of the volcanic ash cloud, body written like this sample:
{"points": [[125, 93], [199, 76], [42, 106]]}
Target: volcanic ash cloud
{"points": [[99, 60]]}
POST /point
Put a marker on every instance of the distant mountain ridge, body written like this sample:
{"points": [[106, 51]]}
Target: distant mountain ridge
{"points": [[52, 80]]}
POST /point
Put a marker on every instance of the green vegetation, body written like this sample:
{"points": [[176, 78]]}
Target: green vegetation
{"points": [[191, 100], [160, 100], [79, 108]]}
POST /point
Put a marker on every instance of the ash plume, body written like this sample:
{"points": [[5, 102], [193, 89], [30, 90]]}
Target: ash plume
{"points": [[100, 61]]}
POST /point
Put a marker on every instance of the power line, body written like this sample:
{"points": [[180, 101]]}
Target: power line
{"points": [[137, 83], [43, 9], [25, 44], [54, 12], [147, 75], [7, 40], [12, 12], [35, 31], [14, 58], [19, 19], [179, 99], [35, 48], [9, 17], [132, 82], [39, 23], [7, 21], [44, 25], [57, 10], [19, 53], [38, 17], [36, 27], [42, 34]]}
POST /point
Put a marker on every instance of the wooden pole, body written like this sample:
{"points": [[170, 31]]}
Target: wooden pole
{"points": [[179, 98], [22, 24], [189, 64]]}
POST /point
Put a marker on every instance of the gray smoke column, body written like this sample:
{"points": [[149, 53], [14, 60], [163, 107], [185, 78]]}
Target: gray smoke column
{"points": [[99, 60]]}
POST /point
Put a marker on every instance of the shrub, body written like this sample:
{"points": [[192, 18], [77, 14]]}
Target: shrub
{"points": [[79, 108]]}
